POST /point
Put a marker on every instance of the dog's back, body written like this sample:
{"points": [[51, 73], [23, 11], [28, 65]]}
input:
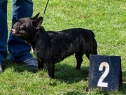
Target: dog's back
{"points": [[62, 44]]}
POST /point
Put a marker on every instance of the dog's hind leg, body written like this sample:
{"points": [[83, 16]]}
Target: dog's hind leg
{"points": [[50, 68], [95, 51], [88, 54], [79, 59]]}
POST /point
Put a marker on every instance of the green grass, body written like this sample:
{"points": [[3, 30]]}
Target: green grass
{"points": [[107, 18]]}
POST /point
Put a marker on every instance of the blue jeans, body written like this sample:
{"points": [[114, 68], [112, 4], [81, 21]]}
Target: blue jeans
{"points": [[18, 48]]}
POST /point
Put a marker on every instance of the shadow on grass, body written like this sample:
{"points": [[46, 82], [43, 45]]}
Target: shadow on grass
{"points": [[18, 67], [69, 74], [63, 72], [122, 88]]}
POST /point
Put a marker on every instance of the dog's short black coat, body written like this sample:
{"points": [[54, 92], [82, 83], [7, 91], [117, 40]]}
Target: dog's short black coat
{"points": [[51, 47]]}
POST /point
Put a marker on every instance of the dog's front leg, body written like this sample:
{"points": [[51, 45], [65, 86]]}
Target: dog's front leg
{"points": [[40, 63], [50, 68]]}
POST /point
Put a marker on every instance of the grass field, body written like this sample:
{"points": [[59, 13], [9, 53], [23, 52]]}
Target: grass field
{"points": [[107, 18]]}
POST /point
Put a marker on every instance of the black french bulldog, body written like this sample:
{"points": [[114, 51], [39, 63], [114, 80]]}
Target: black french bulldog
{"points": [[52, 47]]}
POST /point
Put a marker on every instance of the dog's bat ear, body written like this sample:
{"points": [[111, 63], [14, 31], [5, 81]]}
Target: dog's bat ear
{"points": [[37, 23], [35, 17]]}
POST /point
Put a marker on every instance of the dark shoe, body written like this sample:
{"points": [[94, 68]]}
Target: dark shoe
{"points": [[31, 62]]}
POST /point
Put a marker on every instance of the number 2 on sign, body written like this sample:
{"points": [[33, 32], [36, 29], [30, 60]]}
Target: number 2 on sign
{"points": [[100, 82]]}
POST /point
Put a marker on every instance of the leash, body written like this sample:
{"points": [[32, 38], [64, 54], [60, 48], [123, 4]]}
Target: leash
{"points": [[45, 8]]}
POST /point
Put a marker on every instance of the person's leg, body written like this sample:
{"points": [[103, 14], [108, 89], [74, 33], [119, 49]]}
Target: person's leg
{"points": [[18, 48], [3, 32]]}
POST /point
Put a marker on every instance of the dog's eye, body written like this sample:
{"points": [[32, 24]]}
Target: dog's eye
{"points": [[19, 21], [23, 26]]}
